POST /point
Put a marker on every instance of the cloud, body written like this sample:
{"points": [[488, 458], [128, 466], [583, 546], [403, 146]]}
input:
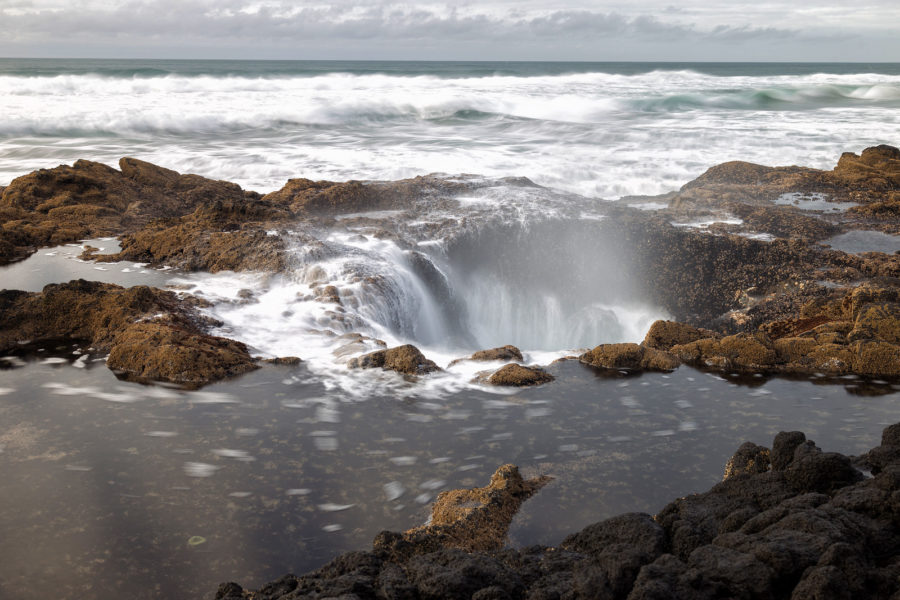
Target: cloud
{"points": [[494, 29], [271, 22]]}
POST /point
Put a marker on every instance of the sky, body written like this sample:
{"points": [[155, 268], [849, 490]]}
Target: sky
{"points": [[689, 30]]}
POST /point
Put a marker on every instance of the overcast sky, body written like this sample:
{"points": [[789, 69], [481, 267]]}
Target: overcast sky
{"points": [[794, 30]]}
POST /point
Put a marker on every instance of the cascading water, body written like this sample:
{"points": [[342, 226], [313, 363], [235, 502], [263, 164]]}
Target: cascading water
{"points": [[516, 265]]}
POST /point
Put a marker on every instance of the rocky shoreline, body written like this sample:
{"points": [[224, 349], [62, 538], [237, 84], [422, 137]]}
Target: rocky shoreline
{"points": [[731, 257], [790, 521], [756, 293]]}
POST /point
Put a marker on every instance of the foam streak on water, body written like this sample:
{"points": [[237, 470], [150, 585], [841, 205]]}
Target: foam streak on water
{"points": [[595, 130]]}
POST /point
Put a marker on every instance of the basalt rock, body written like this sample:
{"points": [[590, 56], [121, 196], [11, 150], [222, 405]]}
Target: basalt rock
{"points": [[306, 197], [150, 334], [805, 525], [519, 376], [406, 359]]}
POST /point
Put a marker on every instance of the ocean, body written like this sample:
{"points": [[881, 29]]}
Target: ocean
{"points": [[602, 130], [114, 489]]}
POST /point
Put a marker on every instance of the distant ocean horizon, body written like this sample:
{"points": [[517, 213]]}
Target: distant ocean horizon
{"points": [[601, 129]]}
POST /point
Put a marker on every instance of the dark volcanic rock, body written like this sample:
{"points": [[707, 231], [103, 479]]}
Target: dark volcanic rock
{"points": [[405, 359], [149, 333], [749, 458], [808, 527], [520, 376]]}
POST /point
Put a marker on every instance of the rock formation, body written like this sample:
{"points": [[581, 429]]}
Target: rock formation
{"points": [[149, 333], [406, 359], [790, 522]]}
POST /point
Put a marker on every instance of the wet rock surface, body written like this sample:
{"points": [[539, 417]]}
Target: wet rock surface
{"points": [[632, 357], [149, 333], [507, 352], [89, 199], [801, 524], [519, 376], [406, 359]]}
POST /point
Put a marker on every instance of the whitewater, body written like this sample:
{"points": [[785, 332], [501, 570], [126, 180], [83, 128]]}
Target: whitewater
{"points": [[583, 132], [601, 130]]}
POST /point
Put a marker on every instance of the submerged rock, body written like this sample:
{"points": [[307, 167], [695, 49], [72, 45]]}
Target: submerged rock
{"points": [[406, 359], [149, 333], [519, 376], [803, 525]]}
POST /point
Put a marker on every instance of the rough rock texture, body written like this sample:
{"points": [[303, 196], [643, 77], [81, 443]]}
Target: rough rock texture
{"points": [[845, 331], [662, 335], [468, 519], [519, 376], [501, 353], [305, 197], [629, 357], [406, 359], [807, 526], [89, 199], [149, 333]]}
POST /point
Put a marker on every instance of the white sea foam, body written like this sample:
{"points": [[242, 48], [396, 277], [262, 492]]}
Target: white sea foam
{"points": [[631, 134]]}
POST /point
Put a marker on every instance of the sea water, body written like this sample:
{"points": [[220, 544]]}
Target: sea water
{"points": [[116, 489]]}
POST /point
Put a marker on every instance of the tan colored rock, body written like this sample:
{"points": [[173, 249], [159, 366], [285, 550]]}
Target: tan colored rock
{"points": [[502, 353], [519, 376], [629, 356], [792, 349], [662, 335], [835, 359], [474, 520], [877, 321], [161, 352], [89, 199], [150, 333], [406, 359], [867, 294], [876, 359], [749, 350]]}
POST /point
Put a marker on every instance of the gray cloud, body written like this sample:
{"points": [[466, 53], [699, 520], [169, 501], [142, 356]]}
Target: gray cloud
{"points": [[512, 30], [146, 20]]}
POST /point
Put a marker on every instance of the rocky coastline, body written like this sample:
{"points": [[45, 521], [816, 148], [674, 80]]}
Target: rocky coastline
{"points": [[776, 302], [790, 521], [742, 270]]}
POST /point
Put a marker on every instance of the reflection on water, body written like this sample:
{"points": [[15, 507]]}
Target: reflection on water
{"points": [[113, 489], [62, 263]]}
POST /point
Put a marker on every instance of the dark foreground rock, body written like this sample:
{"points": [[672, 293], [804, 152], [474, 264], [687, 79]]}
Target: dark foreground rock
{"points": [[790, 522], [149, 333]]}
